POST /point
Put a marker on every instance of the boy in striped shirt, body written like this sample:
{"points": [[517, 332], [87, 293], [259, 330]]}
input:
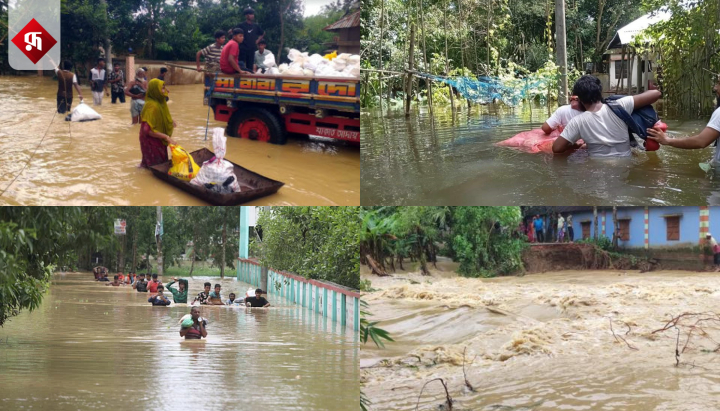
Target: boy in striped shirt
{"points": [[212, 54]]}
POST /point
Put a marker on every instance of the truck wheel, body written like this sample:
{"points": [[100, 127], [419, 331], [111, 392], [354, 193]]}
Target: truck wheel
{"points": [[256, 124]]}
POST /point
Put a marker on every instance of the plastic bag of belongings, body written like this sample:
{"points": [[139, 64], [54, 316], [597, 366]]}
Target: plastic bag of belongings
{"points": [[83, 112], [218, 174], [344, 65], [270, 64], [183, 165]]}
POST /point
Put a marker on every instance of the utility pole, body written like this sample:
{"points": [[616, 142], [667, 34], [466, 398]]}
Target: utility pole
{"points": [[264, 268], [560, 40], [158, 240]]}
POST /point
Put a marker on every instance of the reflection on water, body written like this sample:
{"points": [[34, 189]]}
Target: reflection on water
{"points": [[95, 163], [542, 342], [420, 161], [91, 347]]}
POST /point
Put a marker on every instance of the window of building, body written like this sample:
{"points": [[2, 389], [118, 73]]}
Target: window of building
{"points": [[624, 233], [672, 224], [585, 229], [621, 66]]}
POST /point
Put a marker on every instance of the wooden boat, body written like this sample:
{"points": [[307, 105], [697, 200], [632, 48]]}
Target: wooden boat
{"points": [[252, 185]]}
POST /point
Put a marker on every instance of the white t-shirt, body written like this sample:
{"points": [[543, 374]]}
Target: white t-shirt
{"points": [[562, 116], [714, 124], [74, 76], [561, 223], [605, 134]]}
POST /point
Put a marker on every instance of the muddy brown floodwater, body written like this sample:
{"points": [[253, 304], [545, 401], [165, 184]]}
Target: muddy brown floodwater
{"points": [[542, 341], [95, 163], [94, 347]]}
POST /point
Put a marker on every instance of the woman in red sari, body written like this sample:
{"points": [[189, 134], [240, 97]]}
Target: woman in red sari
{"points": [[156, 125]]}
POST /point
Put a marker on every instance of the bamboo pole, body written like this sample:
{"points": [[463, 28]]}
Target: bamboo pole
{"points": [[409, 76], [631, 58], [487, 34], [428, 83], [560, 46], [382, 29], [447, 63], [619, 84]]}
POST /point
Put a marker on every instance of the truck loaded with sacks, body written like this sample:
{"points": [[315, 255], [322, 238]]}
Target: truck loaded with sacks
{"points": [[313, 95]]}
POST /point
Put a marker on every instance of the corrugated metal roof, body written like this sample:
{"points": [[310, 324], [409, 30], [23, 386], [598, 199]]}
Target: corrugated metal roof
{"points": [[625, 35], [351, 20]]}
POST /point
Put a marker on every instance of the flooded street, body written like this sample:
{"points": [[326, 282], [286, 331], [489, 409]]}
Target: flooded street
{"points": [[94, 347], [419, 161], [95, 163], [542, 341]]}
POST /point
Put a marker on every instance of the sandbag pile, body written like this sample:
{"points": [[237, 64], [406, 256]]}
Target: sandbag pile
{"points": [[218, 174], [344, 65]]}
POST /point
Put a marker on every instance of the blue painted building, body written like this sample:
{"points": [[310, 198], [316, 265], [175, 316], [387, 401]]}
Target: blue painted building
{"points": [[645, 227]]}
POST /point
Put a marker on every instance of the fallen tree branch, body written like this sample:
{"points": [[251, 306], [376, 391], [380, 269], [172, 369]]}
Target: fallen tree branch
{"points": [[619, 337], [375, 267], [467, 383], [679, 323], [447, 394]]}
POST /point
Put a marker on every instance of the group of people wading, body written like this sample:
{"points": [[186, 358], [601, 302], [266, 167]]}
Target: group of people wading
{"points": [[192, 326]]}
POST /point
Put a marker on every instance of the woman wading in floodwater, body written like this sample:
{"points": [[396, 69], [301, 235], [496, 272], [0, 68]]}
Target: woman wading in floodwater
{"points": [[156, 125], [193, 328]]}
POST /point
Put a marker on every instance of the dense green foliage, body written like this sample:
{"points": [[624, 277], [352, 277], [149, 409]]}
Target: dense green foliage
{"points": [[33, 240], [688, 44], [503, 38], [481, 239], [315, 242], [177, 29]]}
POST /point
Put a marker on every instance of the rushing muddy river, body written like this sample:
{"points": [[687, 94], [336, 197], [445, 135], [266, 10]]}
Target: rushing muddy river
{"points": [[421, 161], [94, 347], [95, 163], [544, 342]]}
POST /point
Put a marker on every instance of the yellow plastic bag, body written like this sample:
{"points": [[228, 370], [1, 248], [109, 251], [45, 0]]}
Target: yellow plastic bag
{"points": [[331, 55], [183, 165]]}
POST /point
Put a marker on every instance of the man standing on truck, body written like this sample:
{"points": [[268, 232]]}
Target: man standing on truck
{"points": [[212, 55], [253, 34], [229, 63]]}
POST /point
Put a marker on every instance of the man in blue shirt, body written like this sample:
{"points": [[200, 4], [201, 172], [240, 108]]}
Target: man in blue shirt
{"points": [[539, 229]]}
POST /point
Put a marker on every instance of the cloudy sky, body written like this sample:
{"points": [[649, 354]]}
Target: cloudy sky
{"points": [[314, 6]]}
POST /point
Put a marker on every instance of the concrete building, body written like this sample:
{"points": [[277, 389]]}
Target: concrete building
{"points": [[624, 64], [649, 227]]}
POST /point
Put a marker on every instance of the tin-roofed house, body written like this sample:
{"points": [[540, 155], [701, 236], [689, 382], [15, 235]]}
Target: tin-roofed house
{"points": [[347, 30]]}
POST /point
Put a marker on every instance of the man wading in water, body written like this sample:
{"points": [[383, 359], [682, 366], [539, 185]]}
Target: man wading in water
{"points": [[178, 296], [193, 328]]}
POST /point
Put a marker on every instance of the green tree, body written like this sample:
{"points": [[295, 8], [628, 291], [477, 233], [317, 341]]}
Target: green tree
{"points": [[321, 243], [33, 240]]}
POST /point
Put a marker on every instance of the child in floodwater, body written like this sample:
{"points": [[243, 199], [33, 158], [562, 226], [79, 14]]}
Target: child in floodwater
{"points": [[193, 328], [202, 298], [116, 281], [562, 116], [215, 297]]}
